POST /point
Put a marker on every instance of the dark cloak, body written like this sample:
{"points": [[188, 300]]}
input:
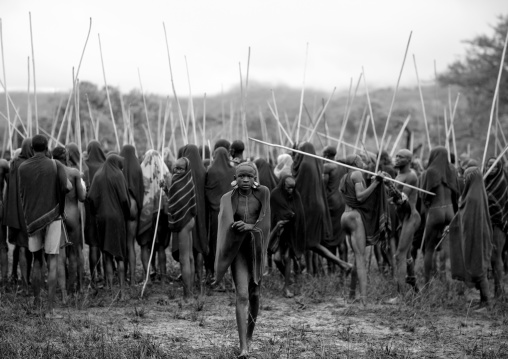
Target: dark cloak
{"points": [[199, 235], [42, 186], [374, 210], [308, 173], [109, 202], [229, 241], [496, 186], [133, 175], [336, 204], [95, 160], [222, 143], [266, 177], [440, 172], [13, 209], [471, 231], [218, 182], [283, 207]]}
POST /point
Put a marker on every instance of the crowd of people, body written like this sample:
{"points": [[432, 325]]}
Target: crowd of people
{"points": [[216, 210]]}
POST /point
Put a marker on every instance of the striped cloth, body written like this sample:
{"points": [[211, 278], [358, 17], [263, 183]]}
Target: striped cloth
{"points": [[496, 186], [182, 200]]}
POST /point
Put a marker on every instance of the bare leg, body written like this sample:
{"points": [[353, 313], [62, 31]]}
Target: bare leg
{"points": [[93, 256], [4, 264], [199, 271], [108, 264], [61, 264], [287, 274], [23, 266], [353, 222], [52, 260], [497, 261], [36, 274], [322, 251], [186, 258], [132, 227], [161, 252], [240, 272], [253, 309], [121, 277], [403, 252]]}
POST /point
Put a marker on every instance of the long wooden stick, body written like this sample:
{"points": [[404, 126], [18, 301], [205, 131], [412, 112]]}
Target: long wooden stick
{"points": [[302, 95], [360, 128], [146, 112], [33, 69], [401, 132], [14, 107], [393, 101], [335, 139], [341, 164], [276, 116], [204, 125], [180, 113], [423, 105], [348, 111], [496, 94], [5, 84], [78, 123], [371, 114], [28, 104], [191, 105], [321, 116], [109, 99]]}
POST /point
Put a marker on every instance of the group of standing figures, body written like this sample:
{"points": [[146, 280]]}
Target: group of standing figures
{"points": [[228, 212]]}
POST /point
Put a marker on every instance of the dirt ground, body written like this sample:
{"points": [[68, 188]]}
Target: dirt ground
{"points": [[319, 322]]}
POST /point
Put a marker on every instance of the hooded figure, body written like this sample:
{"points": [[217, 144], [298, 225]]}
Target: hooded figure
{"points": [[289, 207], [308, 173], [133, 175], [95, 160], [265, 173], [471, 234], [109, 201], [218, 181]]}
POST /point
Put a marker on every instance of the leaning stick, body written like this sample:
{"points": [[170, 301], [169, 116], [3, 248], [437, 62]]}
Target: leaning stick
{"points": [[78, 123], [301, 96], [90, 113], [393, 101], [12, 127], [49, 135], [276, 116], [67, 135], [370, 108], [335, 139], [364, 136], [349, 108], [107, 94], [53, 127], [360, 128], [28, 103], [495, 163], [180, 113], [452, 116], [191, 105], [159, 119], [33, 68], [496, 94], [321, 116], [14, 107], [341, 164], [5, 83], [401, 132], [423, 104], [447, 143], [342, 127], [204, 124], [146, 111]]}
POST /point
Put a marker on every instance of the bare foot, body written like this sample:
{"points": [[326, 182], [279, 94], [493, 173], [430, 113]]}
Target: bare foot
{"points": [[288, 294], [52, 315], [243, 354]]}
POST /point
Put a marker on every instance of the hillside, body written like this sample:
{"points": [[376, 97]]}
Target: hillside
{"points": [[222, 108]]}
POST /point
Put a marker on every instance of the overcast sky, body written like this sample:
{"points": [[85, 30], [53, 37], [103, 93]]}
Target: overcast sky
{"points": [[215, 36]]}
